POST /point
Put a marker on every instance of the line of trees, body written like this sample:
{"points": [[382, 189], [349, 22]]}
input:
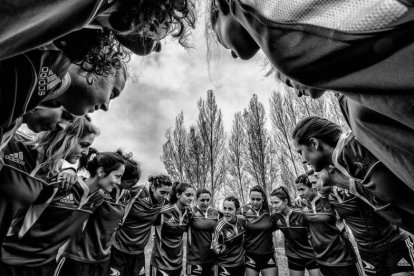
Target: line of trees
{"points": [[255, 153]]}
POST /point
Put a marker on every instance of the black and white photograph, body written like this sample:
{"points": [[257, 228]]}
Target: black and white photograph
{"points": [[206, 138]]}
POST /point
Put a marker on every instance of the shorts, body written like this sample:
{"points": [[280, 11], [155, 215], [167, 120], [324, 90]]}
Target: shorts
{"points": [[349, 270], [200, 270], [302, 264], [259, 262], [396, 258], [230, 271], [161, 272], [69, 267], [124, 264], [44, 270]]}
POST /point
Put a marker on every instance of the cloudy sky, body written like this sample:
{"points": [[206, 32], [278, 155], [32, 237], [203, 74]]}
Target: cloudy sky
{"points": [[166, 83]]}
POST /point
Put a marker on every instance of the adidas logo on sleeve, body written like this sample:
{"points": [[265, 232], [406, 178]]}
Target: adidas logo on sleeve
{"points": [[47, 81], [16, 157]]}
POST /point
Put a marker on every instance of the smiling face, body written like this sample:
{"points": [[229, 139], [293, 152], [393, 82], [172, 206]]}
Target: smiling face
{"points": [[81, 148], [186, 197], [109, 181], [203, 201], [161, 193], [230, 33], [256, 200], [229, 211]]}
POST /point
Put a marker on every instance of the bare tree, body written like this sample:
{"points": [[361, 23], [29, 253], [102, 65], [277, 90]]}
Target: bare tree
{"points": [[210, 125], [174, 150], [167, 155], [283, 119], [257, 141], [196, 164], [307, 106], [333, 111], [236, 160], [272, 165]]}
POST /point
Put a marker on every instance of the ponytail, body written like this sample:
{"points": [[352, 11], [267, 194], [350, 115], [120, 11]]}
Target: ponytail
{"points": [[319, 128], [132, 167], [108, 161]]}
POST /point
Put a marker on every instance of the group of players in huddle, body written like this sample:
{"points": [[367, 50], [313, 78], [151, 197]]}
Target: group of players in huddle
{"points": [[92, 218], [68, 210]]}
